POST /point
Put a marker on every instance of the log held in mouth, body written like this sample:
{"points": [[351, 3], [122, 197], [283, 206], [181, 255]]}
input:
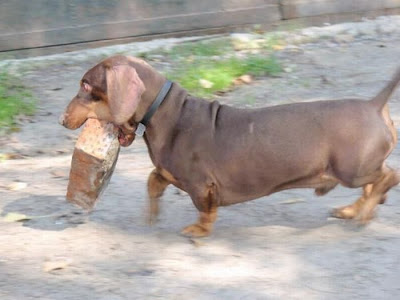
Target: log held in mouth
{"points": [[93, 162]]}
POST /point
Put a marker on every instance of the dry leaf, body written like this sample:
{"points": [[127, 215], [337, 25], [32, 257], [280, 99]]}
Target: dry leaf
{"points": [[278, 47], [293, 201], [16, 186], [59, 173], [49, 266], [204, 83], [16, 217], [9, 156], [237, 81], [246, 79]]}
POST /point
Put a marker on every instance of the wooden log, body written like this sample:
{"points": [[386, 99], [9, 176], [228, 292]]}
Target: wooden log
{"points": [[93, 163]]}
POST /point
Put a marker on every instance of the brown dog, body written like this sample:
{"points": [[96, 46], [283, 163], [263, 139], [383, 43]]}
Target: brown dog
{"points": [[222, 155]]}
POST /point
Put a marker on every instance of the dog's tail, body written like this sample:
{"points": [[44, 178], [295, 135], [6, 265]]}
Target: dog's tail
{"points": [[382, 98]]}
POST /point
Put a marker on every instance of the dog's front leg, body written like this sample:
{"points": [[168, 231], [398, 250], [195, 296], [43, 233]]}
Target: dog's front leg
{"points": [[204, 226], [207, 206], [156, 185]]}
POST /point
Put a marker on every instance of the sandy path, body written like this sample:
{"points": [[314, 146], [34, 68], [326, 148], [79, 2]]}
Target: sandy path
{"points": [[280, 247]]}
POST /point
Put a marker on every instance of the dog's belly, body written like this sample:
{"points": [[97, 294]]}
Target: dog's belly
{"points": [[322, 180]]}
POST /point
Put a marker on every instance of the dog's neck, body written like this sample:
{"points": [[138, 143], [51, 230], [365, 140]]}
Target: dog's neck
{"points": [[164, 120], [147, 100], [167, 115]]}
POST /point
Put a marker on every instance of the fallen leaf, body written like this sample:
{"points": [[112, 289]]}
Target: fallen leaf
{"points": [[237, 81], [49, 266], [16, 217], [278, 47], [246, 79], [293, 201], [204, 83], [16, 186], [8, 156], [59, 173]]}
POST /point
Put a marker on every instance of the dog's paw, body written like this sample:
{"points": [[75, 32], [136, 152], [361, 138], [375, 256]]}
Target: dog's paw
{"points": [[364, 216], [195, 230], [345, 212], [151, 219], [152, 212]]}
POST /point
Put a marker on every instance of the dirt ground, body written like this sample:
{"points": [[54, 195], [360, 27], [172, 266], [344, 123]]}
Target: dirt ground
{"points": [[284, 246]]}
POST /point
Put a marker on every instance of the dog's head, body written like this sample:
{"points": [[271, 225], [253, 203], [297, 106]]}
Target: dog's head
{"points": [[110, 91]]}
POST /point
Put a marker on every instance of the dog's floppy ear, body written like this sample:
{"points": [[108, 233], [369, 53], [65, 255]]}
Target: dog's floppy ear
{"points": [[124, 91]]}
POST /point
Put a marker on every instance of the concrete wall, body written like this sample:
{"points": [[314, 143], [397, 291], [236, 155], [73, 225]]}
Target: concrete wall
{"points": [[47, 23], [310, 8]]}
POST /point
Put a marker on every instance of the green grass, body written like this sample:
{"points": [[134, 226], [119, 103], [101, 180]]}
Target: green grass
{"points": [[202, 48], [221, 73], [15, 99], [273, 41], [215, 61]]}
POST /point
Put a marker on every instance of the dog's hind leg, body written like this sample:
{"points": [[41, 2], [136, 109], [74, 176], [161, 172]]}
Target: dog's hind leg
{"points": [[156, 185], [373, 194], [378, 192], [352, 210]]}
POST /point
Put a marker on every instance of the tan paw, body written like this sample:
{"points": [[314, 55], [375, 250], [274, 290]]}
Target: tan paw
{"points": [[345, 212], [151, 219], [195, 230], [152, 212], [364, 216]]}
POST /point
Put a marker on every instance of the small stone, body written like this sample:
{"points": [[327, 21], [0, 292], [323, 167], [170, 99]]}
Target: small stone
{"points": [[367, 29], [293, 49], [288, 69], [386, 26], [254, 51], [242, 41], [298, 39], [344, 38], [333, 30], [312, 33]]}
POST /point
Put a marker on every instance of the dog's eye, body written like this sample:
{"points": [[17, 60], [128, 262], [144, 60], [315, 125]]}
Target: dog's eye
{"points": [[96, 98]]}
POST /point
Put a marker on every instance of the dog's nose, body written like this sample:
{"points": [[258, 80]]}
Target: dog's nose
{"points": [[61, 120]]}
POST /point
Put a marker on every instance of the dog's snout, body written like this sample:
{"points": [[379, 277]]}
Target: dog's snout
{"points": [[61, 120]]}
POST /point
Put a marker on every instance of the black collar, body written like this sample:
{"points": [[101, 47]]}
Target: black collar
{"points": [[141, 128]]}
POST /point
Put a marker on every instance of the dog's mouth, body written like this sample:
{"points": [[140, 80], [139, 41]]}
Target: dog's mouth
{"points": [[125, 136]]}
